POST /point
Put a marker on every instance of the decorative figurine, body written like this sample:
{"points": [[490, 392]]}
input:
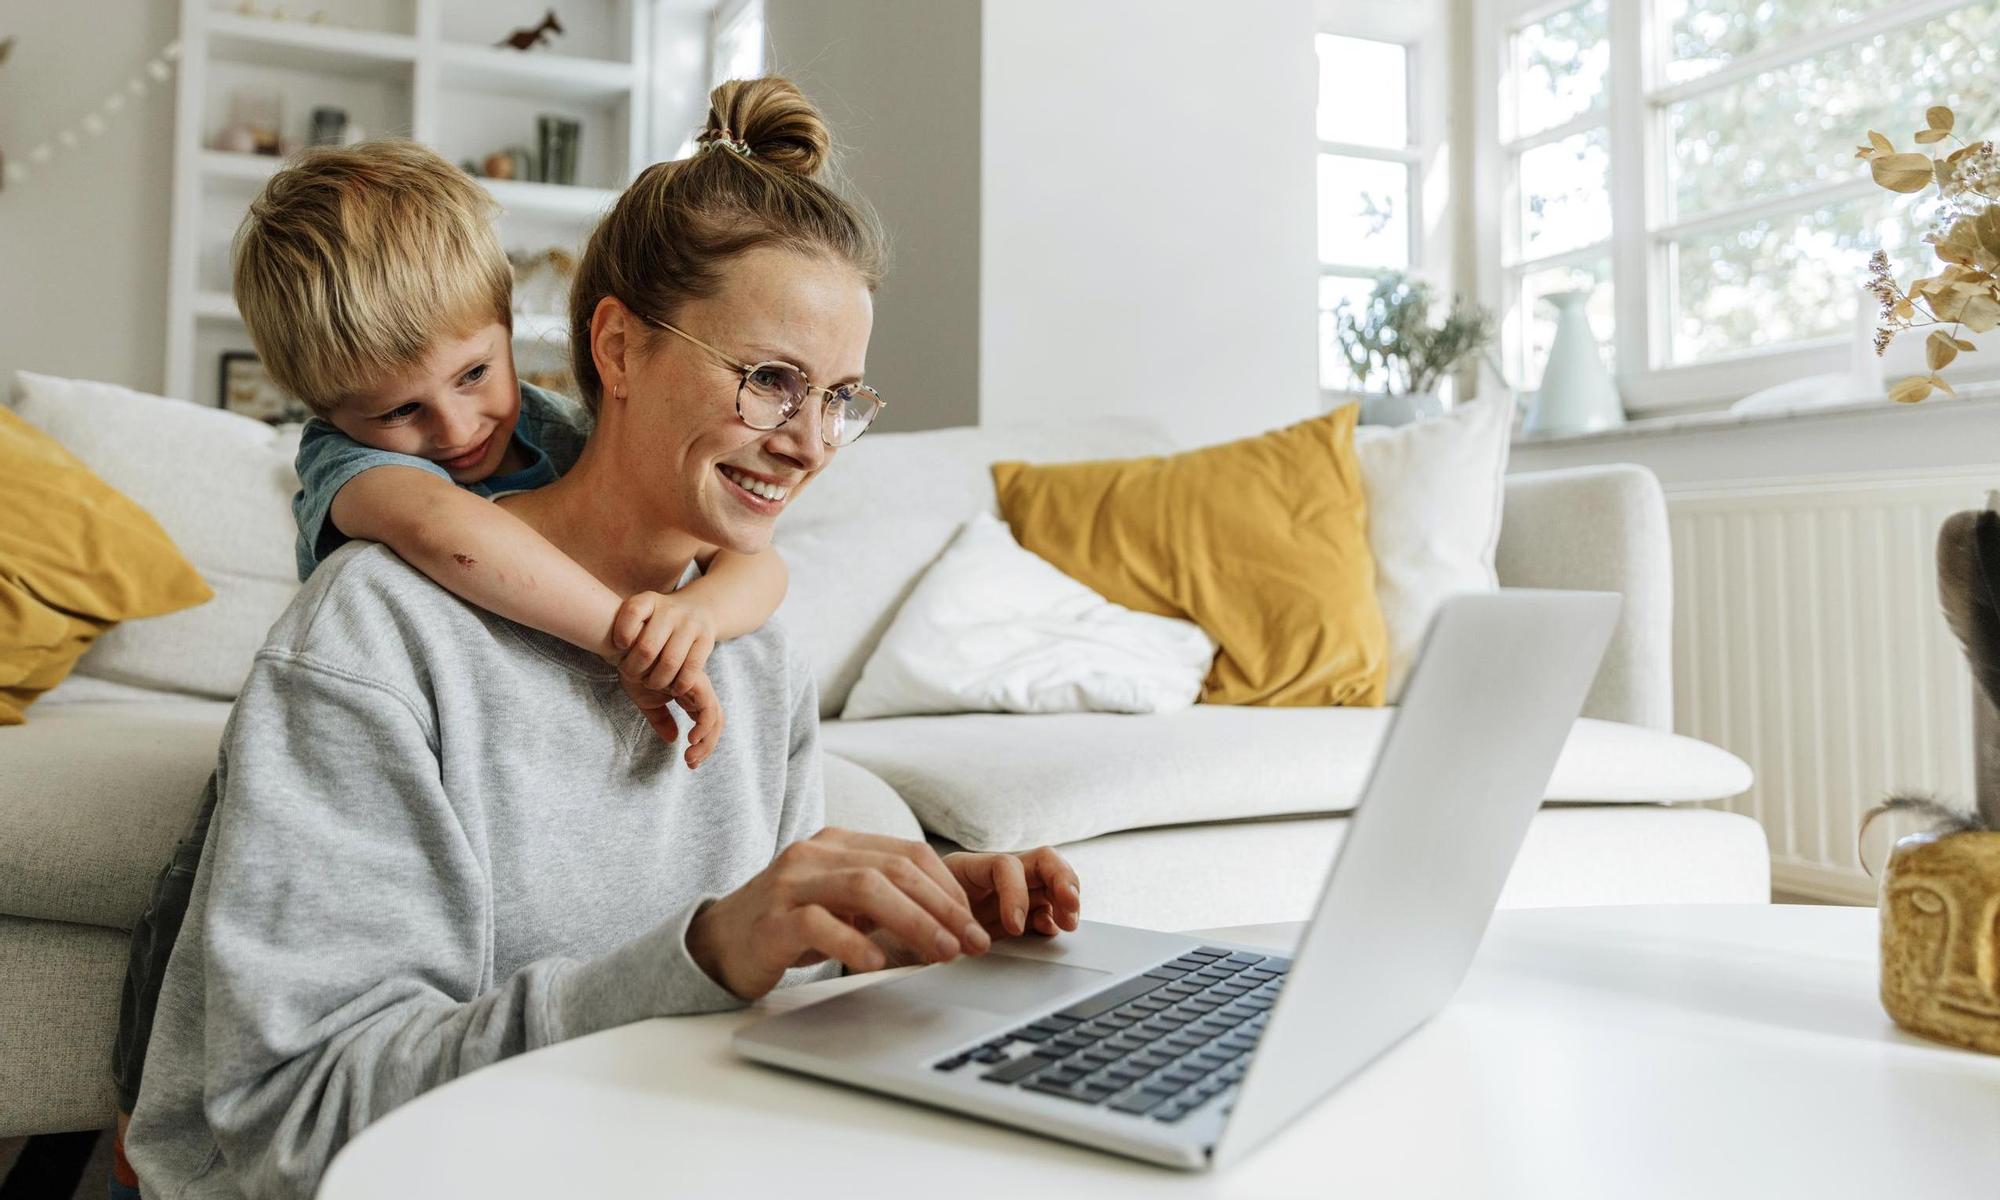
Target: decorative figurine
{"points": [[1940, 905], [528, 37]]}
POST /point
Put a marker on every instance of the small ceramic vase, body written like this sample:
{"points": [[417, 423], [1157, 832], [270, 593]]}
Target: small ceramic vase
{"points": [[1577, 393], [1379, 408], [1940, 909]]}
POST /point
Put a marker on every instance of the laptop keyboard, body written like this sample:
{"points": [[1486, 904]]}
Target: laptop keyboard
{"points": [[1158, 1045]]}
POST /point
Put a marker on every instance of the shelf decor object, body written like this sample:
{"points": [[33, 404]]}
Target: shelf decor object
{"points": [[422, 69]]}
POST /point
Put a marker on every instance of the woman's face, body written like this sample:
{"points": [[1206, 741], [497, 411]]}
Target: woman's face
{"points": [[812, 312]]}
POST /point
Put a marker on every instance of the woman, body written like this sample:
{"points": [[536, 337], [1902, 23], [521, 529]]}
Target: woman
{"points": [[445, 839]]}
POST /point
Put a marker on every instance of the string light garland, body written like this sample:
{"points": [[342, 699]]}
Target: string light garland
{"points": [[157, 70]]}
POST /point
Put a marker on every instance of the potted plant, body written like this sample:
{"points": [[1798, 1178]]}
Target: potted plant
{"points": [[1941, 887], [1399, 353]]}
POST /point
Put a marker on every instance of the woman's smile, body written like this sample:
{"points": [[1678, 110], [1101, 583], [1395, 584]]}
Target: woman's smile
{"points": [[761, 493]]}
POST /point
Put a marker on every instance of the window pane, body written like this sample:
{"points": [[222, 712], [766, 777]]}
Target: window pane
{"points": [[1566, 193], [1530, 329], [1701, 35], [1364, 91], [1334, 373], [739, 46], [1559, 65], [1796, 126], [1788, 278], [1364, 212]]}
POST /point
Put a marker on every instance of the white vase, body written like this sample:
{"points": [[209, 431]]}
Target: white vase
{"points": [[1577, 393]]}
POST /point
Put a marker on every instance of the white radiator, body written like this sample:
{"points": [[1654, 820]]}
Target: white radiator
{"points": [[1808, 641]]}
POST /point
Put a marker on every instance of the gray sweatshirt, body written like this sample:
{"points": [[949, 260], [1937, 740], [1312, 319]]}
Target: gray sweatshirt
{"points": [[442, 839]]}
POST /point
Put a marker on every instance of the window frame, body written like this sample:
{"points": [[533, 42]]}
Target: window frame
{"points": [[1422, 29], [1635, 110]]}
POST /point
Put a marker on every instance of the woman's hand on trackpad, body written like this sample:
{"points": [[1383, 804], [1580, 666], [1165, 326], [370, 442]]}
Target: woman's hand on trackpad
{"points": [[1014, 893]]}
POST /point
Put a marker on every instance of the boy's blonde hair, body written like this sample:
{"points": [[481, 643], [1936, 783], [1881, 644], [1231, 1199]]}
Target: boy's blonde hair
{"points": [[355, 260]]}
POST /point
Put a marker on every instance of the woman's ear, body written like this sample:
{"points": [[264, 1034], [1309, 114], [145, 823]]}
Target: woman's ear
{"points": [[612, 340]]}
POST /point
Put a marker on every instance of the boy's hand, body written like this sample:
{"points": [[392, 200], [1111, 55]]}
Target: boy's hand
{"points": [[1013, 893], [666, 641], [698, 700]]}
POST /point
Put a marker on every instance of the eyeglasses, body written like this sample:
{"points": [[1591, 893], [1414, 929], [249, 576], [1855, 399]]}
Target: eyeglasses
{"points": [[772, 393]]}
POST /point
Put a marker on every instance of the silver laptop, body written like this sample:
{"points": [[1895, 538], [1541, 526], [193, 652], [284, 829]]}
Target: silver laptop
{"points": [[1191, 1052]]}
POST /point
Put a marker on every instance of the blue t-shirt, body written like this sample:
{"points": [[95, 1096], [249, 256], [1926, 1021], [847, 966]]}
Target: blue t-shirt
{"points": [[551, 432]]}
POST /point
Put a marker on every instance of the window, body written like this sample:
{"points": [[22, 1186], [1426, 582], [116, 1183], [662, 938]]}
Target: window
{"points": [[1691, 162], [1557, 222], [1368, 181]]}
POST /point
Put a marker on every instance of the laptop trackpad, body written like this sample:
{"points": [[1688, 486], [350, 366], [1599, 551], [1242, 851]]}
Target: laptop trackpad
{"points": [[996, 983]]}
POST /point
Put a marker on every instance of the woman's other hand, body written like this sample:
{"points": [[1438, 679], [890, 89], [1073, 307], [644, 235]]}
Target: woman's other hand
{"points": [[822, 898], [1013, 893]]}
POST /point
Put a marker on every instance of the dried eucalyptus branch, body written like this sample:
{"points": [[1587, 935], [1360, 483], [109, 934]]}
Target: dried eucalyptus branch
{"points": [[1966, 235]]}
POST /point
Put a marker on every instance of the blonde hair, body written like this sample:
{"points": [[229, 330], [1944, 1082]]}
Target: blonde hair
{"points": [[355, 260], [755, 181]]}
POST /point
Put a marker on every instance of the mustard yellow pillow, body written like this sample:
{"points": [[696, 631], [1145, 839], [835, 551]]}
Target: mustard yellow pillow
{"points": [[76, 558], [1261, 542]]}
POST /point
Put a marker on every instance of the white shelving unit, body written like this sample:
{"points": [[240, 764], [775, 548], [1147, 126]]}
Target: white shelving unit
{"points": [[425, 69]]}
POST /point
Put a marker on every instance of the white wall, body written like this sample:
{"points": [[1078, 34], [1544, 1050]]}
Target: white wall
{"points": [[1148, 213], [899, 83], [83, 242]]}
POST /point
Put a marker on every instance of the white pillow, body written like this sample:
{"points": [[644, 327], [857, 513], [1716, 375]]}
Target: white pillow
{"points": [[861, 536], [994, 628], [221, 485], [1434, 498]]}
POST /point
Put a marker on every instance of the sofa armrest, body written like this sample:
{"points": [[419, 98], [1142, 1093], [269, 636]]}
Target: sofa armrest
{"points": [[1602, 528]]}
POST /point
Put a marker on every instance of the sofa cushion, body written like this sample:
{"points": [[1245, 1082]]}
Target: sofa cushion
{"points": [[1262, 872], [993, 628], [221, 486], [1263, 542], [76, 557], [860, 801], [1434, 498], [1004, 782], [95, 795], [859, 537]]}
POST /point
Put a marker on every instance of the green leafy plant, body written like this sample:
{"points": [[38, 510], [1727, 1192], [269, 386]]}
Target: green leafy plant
{"points": [[1965, 231], [1392, 335]]}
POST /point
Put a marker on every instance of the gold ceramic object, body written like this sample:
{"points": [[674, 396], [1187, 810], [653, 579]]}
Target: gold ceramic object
{"points": [[1941, 937]]}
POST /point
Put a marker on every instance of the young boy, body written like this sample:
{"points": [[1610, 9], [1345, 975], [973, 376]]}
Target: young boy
{"points": [[376, 291]]}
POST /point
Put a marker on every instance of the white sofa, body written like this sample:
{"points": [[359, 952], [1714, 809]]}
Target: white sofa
{"points": [[1212, 816]]}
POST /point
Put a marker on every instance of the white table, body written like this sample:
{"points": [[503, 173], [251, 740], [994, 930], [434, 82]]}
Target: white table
{"points": [[1710, 1051]]}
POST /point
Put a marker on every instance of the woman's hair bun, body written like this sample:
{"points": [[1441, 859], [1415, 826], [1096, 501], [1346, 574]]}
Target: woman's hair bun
{"points": [[774, 119]]}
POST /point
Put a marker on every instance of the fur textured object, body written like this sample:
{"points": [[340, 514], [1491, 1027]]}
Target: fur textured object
{"points": [[1968, 570], [1968, 566]]}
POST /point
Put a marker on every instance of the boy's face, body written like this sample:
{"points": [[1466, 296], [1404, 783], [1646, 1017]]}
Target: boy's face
{"points": [[457, 407]]}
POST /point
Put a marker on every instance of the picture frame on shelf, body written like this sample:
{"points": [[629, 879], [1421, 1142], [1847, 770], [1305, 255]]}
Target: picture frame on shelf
{"points": [[245, 388]]}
